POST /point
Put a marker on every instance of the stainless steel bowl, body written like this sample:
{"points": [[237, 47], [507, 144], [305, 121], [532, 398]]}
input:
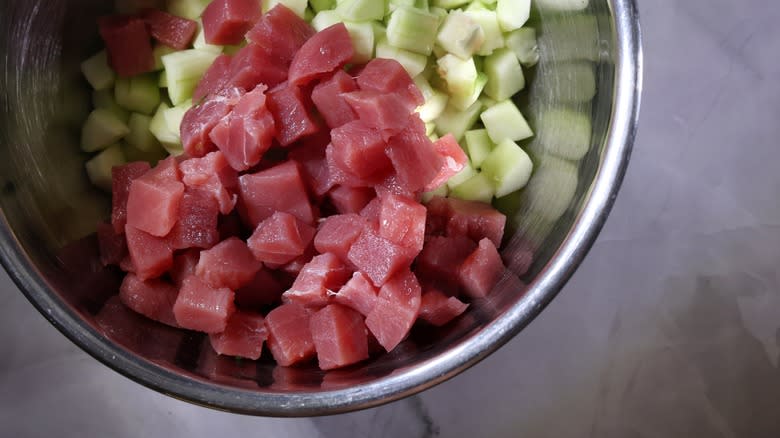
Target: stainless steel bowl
{"points": [[590, 68]]}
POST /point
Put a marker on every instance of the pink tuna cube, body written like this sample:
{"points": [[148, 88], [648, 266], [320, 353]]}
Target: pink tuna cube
{"points": [[475, 219], [454, 159], [151, 256], [199, 120], [378, 257], [351, 199], [359, 293], [289, 335], [260, 194], [384, 112], [389, 76], [215, 79], [440, 258], [263, 290], [121, 178], [171, 30], [113, 246], [212, 173], [196, 226], [327, 97], [359, 149], [481, 270], [438, 309], [280, 239], [289, 107], [228, 264], [402, 221], [310, 154], [252, 66], [184, 264], [226, 21], [281, 33], [337, 233], [203, 308], [323, 53], [128, 44], [339, 336], [415, 161], [396, 309], [153, 202], [244, 336], [152, 298], [317, 281]]}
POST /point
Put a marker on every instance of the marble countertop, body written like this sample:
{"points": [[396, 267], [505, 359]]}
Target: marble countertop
{"points": [[671, 327]]}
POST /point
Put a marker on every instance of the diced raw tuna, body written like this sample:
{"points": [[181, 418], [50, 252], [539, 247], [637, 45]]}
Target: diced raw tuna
{"points": [[152, 298], [396, 309], [391, 185], [474, 219], [128, 44], [351, 199], [379, 258], [280, 239], [337, 233], [339, 175], [153, 202], [112, 245], [327, 97], [259, 194], [225, 22], [402, 221], [126, 265], [481, 270], [438, 309], [151, 256], [212, 174], [244, 336], [311, 156], [289, 108], [385, 112], [372, 211], [263, 290], [199, 120], [203, 308], [318, 279], [339, 336], [215, 79], [184, 265], [389, 76], [359, 150], [252, 65], [289, 335], [247, 132], [196, 226], [228, 264], [281, 33], [358, 294], [121, 177], [454, 159], [415, 161], [295, 267], [322, 54], [440, 258], [173, 31]]}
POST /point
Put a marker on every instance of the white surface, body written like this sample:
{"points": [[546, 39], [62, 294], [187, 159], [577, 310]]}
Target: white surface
{"points": [[669, 329]]}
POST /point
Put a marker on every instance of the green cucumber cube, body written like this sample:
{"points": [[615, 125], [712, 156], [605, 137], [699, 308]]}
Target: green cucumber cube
{"points": [[297, 6], [184, 70], [413, 63], [504, 73], [105, 99], [139, 136], [324, 20], [151, 156], [174, 116], [442, 191], [478, 145], [512, 14], [158, 52], [564, 132], [412, 29], [476, 188], [158, 126], [380, 31], [562, 5], [463, 102], [97, 71], [507, 167], [191, 9], [200, 41], [435, 101], [449, 4], [102, 129], [523, 42], [488, 20], [99, 167], [504, 121], [392, 5], [456, 122], [322, 5], [459, 75], [139, 94], [362, 36], [361, 10], [460, 35], [163, 81], [462, 176]]}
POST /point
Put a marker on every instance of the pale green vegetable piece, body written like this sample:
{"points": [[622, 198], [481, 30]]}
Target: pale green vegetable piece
{"points": [[99, 167]]}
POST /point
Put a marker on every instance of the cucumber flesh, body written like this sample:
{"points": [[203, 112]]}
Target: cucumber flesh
{"points": [[174, 116], [459, 75], [99, 167], [322, 5], [297, 6], [435, 101], [158, 52], [361, 10], [158, 126], [478, 146], [512, 14], [460, 35], [324, 20], [523, 42], [413, 63], [97, 71], [412, 29], [476, 188], [152, 156], [200, 41], [105, 99], [488, 20], [464, 175], [191, 9], [139, 94], [102, 129], [504, 74], [562, 5], [362, 36], [184, 70], [507, 167], [504, 121], [457, 122], [442, 191], [463, 102], [449, 4], [139, 136]]}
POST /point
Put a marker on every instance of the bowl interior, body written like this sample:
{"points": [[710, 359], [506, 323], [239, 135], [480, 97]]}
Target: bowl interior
{"points": [[49, 212]]}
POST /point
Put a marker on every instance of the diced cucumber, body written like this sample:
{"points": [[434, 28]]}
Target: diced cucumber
{"points": [[459, 75], [139, 136], [184, 70], [362, 36], [476, 188], [442, 191], [105, 99], [504, 121], [163, 81], [413, 63], [573, 82], [562, 5], [200, 41], [191, 9], [101, 129], [488, 20], [380, 31], [412, 29], [99, 167], [512, 14], [158, 52], [325, 19], [457, 122], [564, 132], [158, 126], [523, 42], [507, 167], [463, 102], [449, 4], [460, 35], [174, 116], [152, 156], [478, 146], [392, 5], [361, 10], [490, 4], [139, 94], [504, 74], [322, 5], [430, 129], [97, 71], [233, 49], [435, 101], [439, 12], [297, 6], [308, 14], [462, 176]]}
